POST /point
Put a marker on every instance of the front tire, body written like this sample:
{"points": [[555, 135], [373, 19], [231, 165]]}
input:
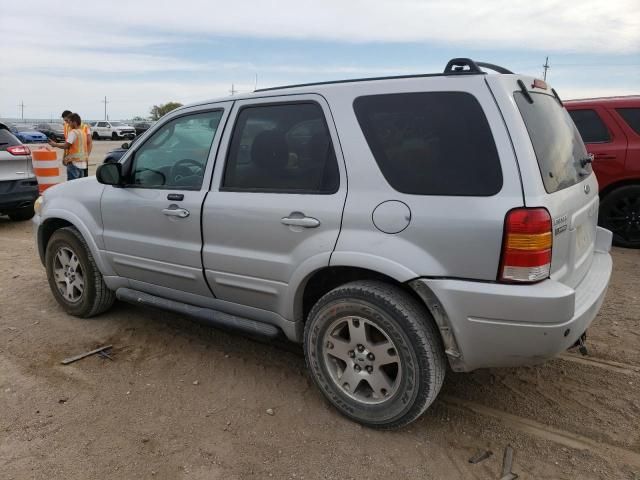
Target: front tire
{"points": [[74, 278], [375, 353], [620, 213]]}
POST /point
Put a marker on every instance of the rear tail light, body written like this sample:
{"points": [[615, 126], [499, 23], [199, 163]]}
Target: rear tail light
{"points": [[526, 249], [19, 150]]}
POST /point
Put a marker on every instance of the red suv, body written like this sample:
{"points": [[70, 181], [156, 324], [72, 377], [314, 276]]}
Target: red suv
{"points": [[610, 128]]}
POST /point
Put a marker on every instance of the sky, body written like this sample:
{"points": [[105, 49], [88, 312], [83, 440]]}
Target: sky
{"points": [[138, 53]]}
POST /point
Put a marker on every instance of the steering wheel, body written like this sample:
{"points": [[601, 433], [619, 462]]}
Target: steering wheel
{"points": [[182, 169], [157, 172]]}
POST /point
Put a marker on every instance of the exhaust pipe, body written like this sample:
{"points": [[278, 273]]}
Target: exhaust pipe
{"points": [[581, 344]]}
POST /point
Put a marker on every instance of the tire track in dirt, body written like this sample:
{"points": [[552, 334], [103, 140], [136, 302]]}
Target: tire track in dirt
{"points": [[618, 367], [546, 432]]}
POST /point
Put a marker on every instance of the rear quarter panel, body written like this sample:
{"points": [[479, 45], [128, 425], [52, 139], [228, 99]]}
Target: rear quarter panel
{"points": [[448, 236]]}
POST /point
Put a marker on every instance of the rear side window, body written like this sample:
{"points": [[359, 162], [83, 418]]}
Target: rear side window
{"points": [[632, 117], [283, 148], [7, 139], [591, 127], [559, 148], [432, 143]]}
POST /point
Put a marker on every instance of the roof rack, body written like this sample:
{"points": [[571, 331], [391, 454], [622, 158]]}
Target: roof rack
{"points": [[467, 66], [456, 66]]}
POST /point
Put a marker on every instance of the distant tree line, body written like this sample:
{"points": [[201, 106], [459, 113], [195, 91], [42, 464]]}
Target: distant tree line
{"points": [[158, 111]]}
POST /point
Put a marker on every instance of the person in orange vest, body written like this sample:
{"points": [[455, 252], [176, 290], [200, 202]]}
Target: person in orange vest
{"points": [[75, 156], [87, 130]]}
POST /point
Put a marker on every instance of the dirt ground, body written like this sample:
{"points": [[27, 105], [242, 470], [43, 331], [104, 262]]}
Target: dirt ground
{"points": [[183, 401]]}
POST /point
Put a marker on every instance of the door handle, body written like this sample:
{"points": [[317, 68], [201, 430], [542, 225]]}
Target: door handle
{"points": [[604, 156], [174, 211], [297, 219]]}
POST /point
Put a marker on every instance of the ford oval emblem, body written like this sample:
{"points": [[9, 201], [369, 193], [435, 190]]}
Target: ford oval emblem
{"points": [[587, 189]]}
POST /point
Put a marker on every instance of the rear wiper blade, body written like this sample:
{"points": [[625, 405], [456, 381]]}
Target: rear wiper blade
{"points": [[586, 161]]}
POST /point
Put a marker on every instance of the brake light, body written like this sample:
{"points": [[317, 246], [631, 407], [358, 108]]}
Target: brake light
{"points": [[537, 83], [526, 249], [19, 150]]}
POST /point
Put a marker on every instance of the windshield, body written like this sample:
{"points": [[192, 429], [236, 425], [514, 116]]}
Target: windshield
{"points": [[117, 124], [562, 156]]}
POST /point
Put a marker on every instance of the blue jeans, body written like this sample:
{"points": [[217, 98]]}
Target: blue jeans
{"points": [[74, 172]]}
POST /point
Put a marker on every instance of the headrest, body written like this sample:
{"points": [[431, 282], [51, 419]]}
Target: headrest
{"points": [[270, 150]]}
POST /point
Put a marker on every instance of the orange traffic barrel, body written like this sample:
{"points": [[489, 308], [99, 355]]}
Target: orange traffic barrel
{"points": [[48, 169]]}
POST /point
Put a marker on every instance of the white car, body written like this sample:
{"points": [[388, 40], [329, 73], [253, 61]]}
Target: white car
{"points": [[112, 130]]}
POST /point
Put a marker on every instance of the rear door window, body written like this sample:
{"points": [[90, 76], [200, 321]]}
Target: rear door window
{"points": [[7, 139], [560, 151], [632, 117], [591, 127], [282, 148], [431, 143]]}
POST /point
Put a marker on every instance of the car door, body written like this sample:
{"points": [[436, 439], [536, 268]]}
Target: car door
{"points": [[152, 232], [604, 139], [101, 128], [629, 119], [273, 214]]}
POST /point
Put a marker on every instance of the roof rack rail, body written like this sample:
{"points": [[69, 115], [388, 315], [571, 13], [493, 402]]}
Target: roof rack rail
{"points": [[466, 66]]}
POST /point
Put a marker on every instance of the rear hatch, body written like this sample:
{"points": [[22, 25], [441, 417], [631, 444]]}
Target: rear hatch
{"points": [[556, 171], [15, 159]]}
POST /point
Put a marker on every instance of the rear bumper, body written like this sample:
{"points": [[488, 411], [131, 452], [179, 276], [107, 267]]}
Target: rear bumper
{"points": [[496, 325], [15, 194]]}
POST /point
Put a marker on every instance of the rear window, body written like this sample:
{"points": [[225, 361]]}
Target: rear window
{"points": [[7, 139], [559, 148], [431, 143], [631, 116], [591, 127]]}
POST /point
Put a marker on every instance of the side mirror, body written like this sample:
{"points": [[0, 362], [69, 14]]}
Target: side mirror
{"points": [[110, 174], [125, 145]]}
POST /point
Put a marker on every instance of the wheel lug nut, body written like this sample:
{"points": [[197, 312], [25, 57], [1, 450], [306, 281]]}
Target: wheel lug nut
{"points": [[357, 368], [352, 354], [360, 348], [371, 356], [329, 345], [369, 369]]}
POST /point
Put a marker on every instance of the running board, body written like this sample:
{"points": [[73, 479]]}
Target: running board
{"points": [[207, 316]]}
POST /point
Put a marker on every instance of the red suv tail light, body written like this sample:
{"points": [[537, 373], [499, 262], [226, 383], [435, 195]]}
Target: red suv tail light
{"points": [[19, 150], [526, 248]]}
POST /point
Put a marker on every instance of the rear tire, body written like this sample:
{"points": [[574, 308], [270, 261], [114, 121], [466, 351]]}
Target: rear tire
{"points": [[23, 214], [74, 278], [375, 353], [114, 136], [620, 213], [95, 136]]}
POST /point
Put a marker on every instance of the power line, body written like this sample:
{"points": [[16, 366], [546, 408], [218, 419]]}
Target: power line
{"points": [[105, 106], [21, 107], [546, 67]]}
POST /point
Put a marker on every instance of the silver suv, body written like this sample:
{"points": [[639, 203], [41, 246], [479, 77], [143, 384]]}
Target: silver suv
{"points": [[18, 184], [391, 225]]}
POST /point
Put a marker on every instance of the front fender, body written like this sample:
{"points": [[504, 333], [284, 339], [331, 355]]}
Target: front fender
{"points": [[87, 228]]}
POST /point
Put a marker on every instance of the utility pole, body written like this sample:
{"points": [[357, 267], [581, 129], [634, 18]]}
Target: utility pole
{"points": [[546, 67], [105, 106], [21, 107], [255, 85], [233, 91]]}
